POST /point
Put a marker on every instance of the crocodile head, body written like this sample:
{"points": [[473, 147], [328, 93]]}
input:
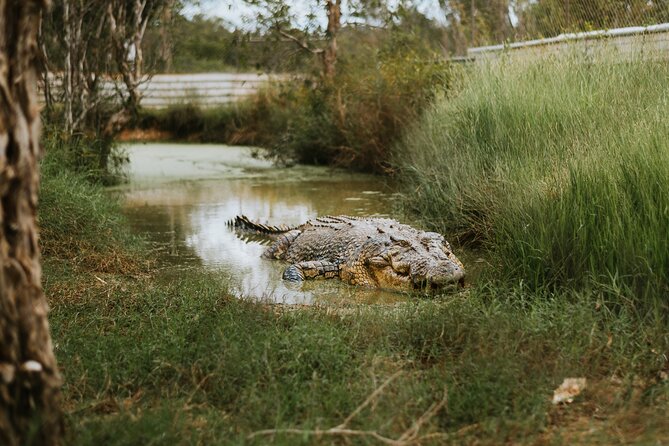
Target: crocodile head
{"points": [[412, 260]]}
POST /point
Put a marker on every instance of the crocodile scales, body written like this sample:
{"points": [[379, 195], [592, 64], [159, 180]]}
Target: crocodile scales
{"points": [[367, 251]]}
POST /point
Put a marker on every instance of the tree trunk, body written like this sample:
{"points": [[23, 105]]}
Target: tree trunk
{"points": [[166, 47], [127, 26], [29, 378], [330, 54]]}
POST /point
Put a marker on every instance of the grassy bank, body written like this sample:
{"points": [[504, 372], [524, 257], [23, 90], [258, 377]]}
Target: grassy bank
{"points": [[559, 168], [167, 362], [151, 358]]}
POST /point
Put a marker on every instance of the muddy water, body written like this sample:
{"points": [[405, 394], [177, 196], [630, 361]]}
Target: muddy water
{"points": [[181, 196]]}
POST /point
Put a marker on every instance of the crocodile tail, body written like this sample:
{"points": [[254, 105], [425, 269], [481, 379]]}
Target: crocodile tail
{"points": [[243, 222]]}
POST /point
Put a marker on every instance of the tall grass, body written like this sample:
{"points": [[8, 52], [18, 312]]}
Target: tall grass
{"points": [[558, 166]]}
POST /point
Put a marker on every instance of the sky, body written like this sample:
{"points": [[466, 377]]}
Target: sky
{"points": [[237, 14]]}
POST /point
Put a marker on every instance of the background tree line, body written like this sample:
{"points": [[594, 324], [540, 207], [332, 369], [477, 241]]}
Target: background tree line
{"points": [[83, 42], [277, 43]]}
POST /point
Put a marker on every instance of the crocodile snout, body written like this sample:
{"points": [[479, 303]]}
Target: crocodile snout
{"points": [[444, 274]]}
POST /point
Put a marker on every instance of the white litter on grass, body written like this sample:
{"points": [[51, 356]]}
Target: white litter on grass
{"points": [[568, 390], [31, 366]]}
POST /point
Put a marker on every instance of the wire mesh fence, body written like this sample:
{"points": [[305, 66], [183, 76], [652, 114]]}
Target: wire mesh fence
{"points": [[475, 23]]}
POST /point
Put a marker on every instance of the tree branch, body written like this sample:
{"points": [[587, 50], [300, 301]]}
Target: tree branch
{"points": [[410, 436], [369, 399], [302, 44], [333, 431]]}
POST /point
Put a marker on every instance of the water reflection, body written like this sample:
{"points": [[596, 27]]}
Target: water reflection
{"points": [[181, 197]]}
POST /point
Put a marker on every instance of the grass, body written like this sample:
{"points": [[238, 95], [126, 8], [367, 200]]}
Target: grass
{"points": [[557, 167], [169, 357], [166, 361], [81, 225]]}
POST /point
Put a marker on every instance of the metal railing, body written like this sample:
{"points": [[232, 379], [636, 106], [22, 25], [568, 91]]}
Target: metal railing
{"points": [[626, 42]]}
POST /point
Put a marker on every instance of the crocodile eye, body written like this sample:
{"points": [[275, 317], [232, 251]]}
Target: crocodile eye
{"points": [[393, 251], [428, 237], [401, 242]]}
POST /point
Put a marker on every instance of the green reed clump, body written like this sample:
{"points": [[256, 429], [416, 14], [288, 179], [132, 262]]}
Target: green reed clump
{"points": [[353, 120], [97, 159], [558, 166]]}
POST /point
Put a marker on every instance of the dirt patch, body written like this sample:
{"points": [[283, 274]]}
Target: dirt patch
{"points": [[153, 135]]}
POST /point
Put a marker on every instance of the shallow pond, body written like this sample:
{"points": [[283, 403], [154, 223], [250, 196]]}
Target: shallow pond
{"points": [[180, 197]]}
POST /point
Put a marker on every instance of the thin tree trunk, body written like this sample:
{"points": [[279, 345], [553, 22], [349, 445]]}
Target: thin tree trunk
{"points": [[29, 378], [165, 37], [68, 81], [330, 54]]}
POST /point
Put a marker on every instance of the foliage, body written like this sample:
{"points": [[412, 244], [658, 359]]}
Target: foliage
{"points": [[83, 45], [90, 155], [203, 44], [85, 49], [564, 181], [351, 122]]}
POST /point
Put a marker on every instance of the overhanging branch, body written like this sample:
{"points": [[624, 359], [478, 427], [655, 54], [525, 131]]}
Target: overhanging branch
{"points": [[301, 43]]}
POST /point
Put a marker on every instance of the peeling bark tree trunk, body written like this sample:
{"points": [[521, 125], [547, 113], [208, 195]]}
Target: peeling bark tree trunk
{"points": [[29, 378]]}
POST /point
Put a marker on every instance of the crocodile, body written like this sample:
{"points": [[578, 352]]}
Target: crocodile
{"points": [[366, 251]]}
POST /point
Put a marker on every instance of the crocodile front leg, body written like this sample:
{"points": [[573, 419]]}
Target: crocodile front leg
{"points": [[314, 269]]}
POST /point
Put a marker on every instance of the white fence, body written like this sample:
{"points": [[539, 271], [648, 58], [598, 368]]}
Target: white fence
{"points": [[626, 42], [206, 89]]}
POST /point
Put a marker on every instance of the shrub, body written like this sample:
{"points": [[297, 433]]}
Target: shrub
{"points": [[350, 121], [354, 120]]}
